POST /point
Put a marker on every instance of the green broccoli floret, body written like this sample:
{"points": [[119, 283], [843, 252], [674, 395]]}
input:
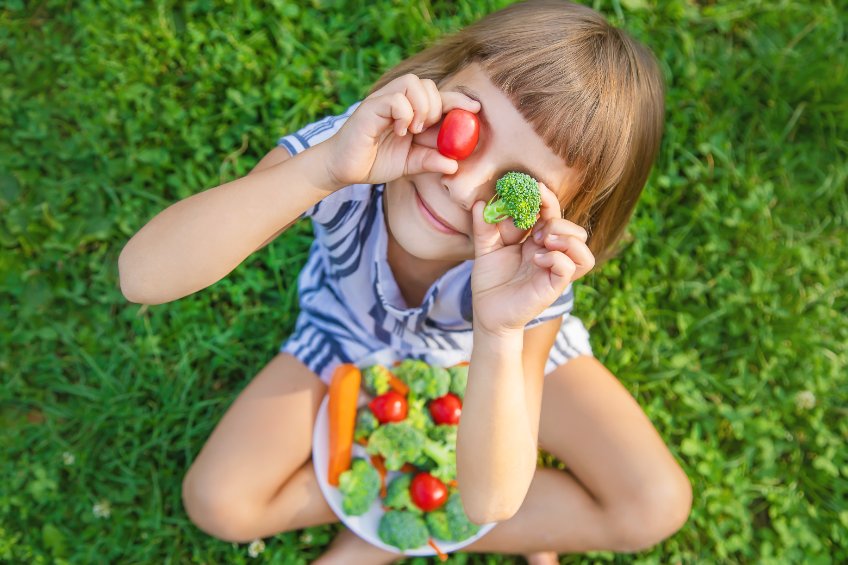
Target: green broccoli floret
{"points": [[397, 442], [375, 379], [397, 494], [459, 379], [366, 423], [437, 523], [403, 529], [444, 434], [360, 486], [517, 196], [439, 454], [418, 415], [423, 380], [450, 523]]}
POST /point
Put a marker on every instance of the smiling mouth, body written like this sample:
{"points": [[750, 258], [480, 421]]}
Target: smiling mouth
{"points": [[432, 218]]}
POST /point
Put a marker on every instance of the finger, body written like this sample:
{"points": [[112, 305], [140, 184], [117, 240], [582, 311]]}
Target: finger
{"points": [[452, 99], [509, 233], [558, 268], [395, 107], [416, 91], [487, 238], [575, 249], [558, 227], [425, 159], [429, 137], [435, 100], [550, 208]]}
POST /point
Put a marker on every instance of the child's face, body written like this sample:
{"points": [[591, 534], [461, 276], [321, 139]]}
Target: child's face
{"points": [[507, 143]]}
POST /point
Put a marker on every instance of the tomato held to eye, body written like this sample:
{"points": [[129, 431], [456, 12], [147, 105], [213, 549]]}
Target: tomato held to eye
{"points": [[459, 134], [427, 492], [389, 407], [446, 409]]}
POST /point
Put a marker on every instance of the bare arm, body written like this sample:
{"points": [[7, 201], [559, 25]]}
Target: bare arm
{"points": [[199, 240], [497, 444]]}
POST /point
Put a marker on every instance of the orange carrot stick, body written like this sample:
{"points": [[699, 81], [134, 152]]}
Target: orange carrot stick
{"points": [[442, 556], [398, 385], [379, 464], [408, 468], [343, 393]]}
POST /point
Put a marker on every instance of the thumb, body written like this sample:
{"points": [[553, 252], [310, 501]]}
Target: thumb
{"points": [[423, 159], [487, 237]]}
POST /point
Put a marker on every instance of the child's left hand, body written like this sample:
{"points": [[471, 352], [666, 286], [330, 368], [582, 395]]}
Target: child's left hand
{"points": [[514, 280]]}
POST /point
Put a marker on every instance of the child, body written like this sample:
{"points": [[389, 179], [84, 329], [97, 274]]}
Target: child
{"points": [[403, 261]]}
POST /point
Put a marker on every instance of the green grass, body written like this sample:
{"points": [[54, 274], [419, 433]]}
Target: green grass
{"points": [[728, 301]]}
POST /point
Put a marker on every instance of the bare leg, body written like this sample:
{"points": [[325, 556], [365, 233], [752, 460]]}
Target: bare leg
{"points": [[623, 491], [254, 477], [347, 548]]}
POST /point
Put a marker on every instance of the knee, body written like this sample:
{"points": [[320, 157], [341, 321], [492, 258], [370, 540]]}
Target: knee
{"points": [[655, 514], [217, 509]]}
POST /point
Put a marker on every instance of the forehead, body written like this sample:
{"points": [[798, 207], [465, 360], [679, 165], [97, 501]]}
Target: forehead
{"points": [[509, 136]]}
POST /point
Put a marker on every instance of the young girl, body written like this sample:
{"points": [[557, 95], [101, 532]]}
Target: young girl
{"points": [[403, 261]]}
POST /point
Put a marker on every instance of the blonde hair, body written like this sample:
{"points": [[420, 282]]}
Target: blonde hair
{"points": [[592, 93]]}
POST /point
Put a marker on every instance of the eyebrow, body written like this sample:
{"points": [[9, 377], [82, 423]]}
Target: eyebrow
{"points": [[474, 96]]}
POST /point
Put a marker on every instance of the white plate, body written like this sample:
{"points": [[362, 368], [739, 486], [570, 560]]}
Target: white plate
{"points": [[365, 526]]}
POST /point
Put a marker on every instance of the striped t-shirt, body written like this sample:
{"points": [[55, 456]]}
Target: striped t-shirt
{"points": [[350, 305]]}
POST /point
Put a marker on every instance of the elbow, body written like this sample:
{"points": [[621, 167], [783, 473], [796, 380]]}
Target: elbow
{"points": [[125, 279], [488, 498], [489, 511], [131, 283]]}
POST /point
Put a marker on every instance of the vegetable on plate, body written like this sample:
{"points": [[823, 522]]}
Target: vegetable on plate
{"points": [[410, 441], [341, 407], [446, 409]]}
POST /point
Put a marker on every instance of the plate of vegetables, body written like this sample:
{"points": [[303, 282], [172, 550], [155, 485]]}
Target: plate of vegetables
{"points": [[384, 452]]}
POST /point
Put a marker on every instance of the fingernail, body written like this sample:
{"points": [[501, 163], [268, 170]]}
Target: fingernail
{"points": [[537, 236], [552, 238], [418, 127]]}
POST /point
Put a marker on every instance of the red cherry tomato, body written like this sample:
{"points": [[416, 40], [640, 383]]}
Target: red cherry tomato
{"points": [[427, 492], [389, 407], [458, 134], [446, 409]]}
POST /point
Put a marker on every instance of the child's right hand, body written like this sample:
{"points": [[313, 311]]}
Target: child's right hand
{"points": [[377, 145]]}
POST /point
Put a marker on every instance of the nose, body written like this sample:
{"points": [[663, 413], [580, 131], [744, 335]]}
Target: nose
{"points": [[474, 180]]}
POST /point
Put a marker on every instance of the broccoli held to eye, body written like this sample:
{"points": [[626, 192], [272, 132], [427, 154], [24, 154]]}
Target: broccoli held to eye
{"points": [[359, 486], [517, 196]]}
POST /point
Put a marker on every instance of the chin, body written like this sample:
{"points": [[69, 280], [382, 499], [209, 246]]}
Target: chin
{"points": [[428, 249]]}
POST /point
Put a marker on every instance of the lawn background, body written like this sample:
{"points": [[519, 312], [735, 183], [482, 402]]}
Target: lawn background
{"points": [[724, 314]]}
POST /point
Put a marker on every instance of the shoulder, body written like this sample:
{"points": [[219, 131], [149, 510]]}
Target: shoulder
{"points": [[315, 132]]}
